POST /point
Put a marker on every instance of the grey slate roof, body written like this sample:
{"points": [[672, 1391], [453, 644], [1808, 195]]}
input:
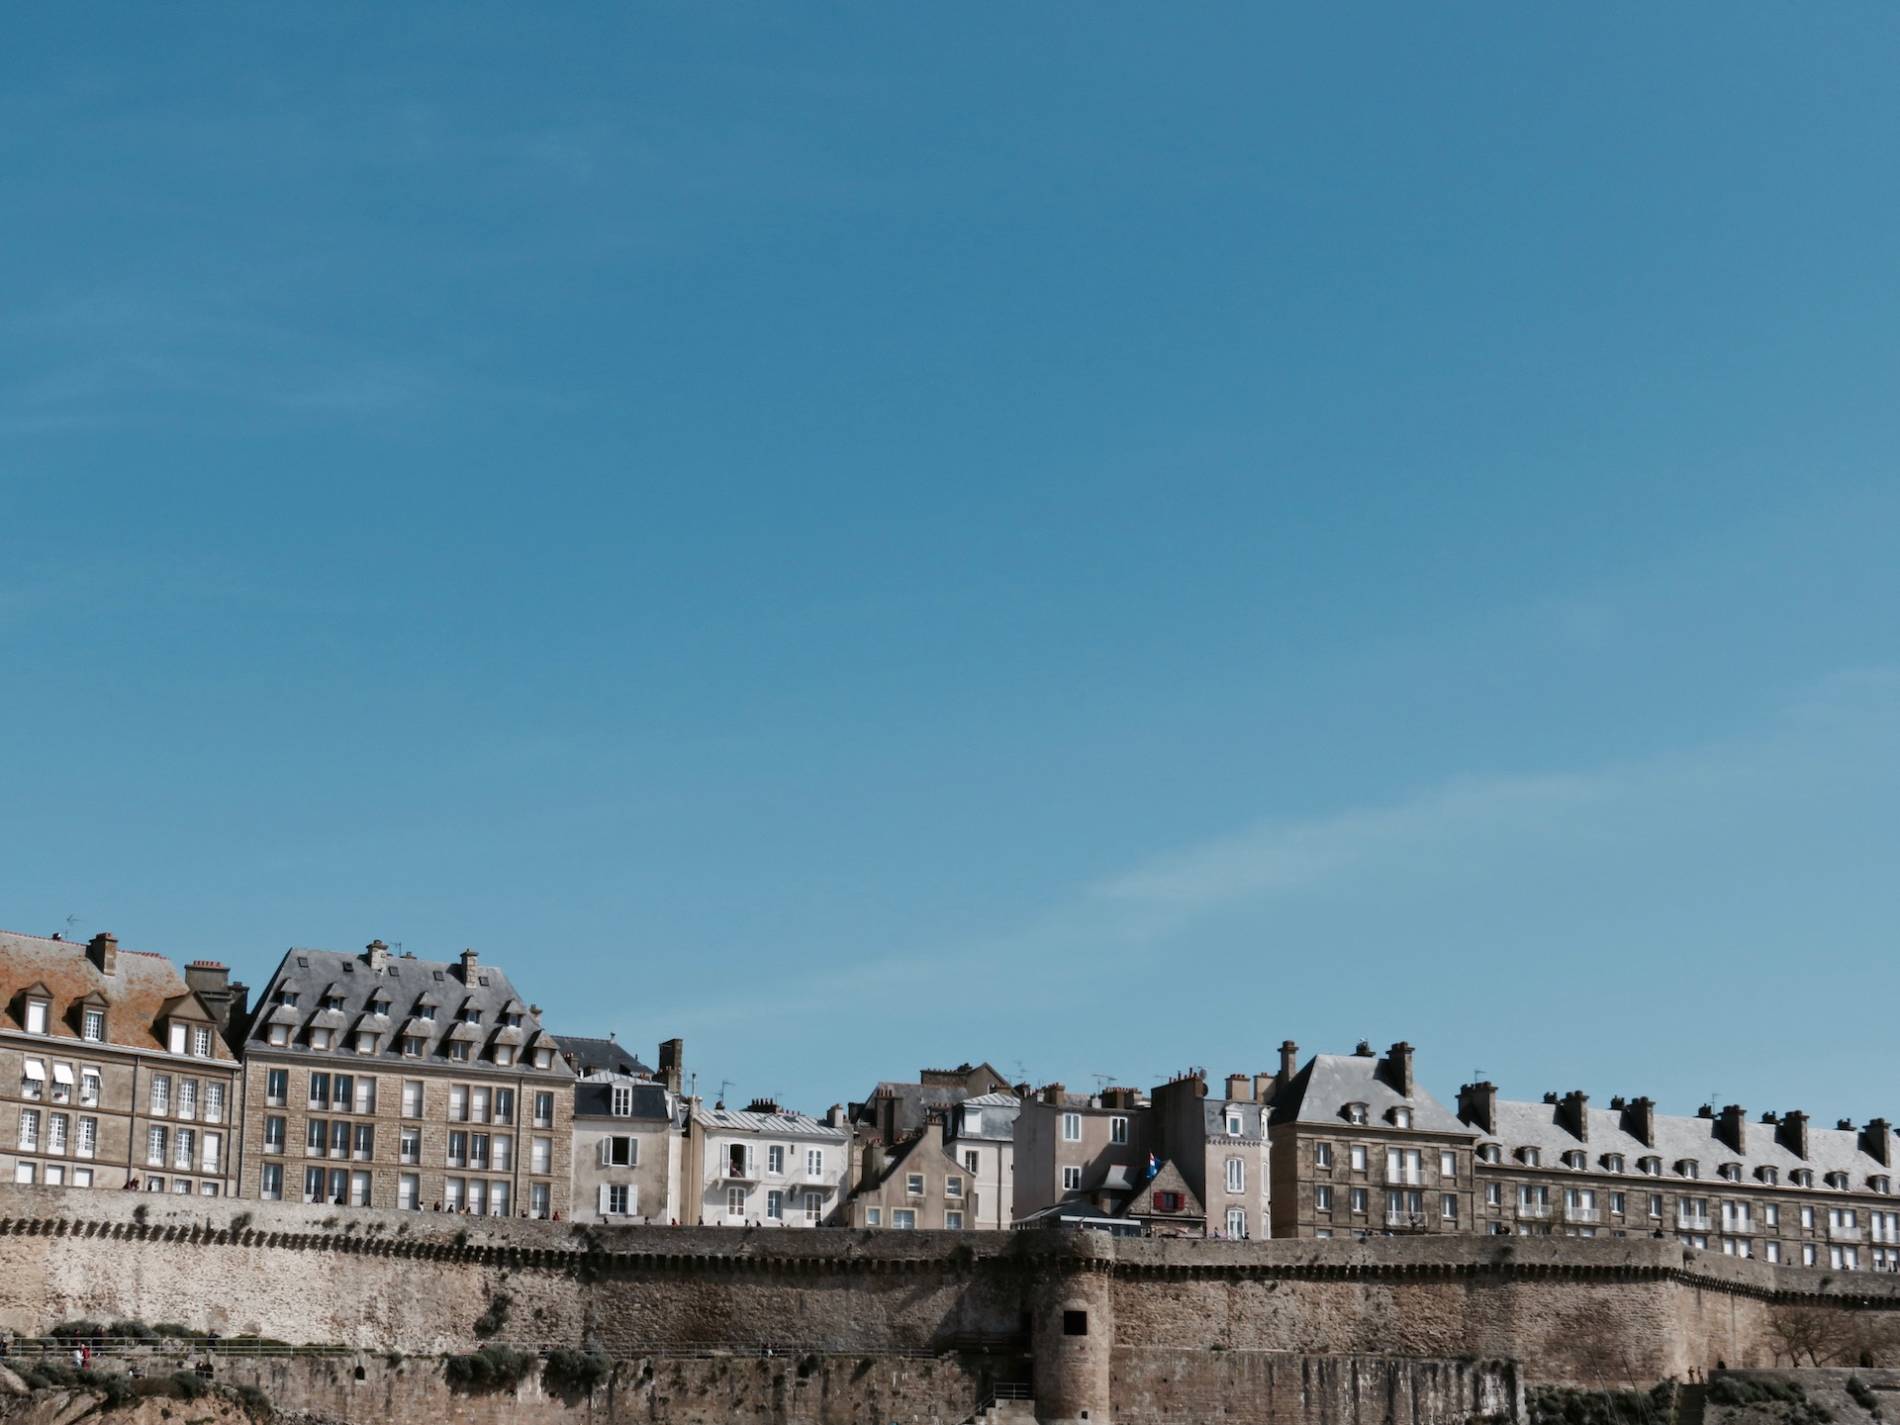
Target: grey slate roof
{"points": [[1680, 1137], [1320, 1092], [593, 1097], [602, 1055], [987, 1117], [786, 1123], [405, 982]]}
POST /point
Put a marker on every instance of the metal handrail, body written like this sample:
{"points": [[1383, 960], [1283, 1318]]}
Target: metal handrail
{"points": [[41, 1347]]}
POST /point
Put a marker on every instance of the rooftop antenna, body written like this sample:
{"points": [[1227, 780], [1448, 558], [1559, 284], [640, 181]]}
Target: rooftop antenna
{"points": [[1022, 1071], [1101, 1080], [724, 1086], [71, 921]]}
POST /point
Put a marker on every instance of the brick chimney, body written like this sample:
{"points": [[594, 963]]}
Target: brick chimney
{"points": [[1876, 1141], [1732, 1128], [1478, 1105], [763, 1105], [1639, 1120], [1793, 1132], [211, 982], [103, 951], [1398, 1068], [376, 956], [672, 1063], [469, 957], [1573, 1113], [1263, 1087], [1239, 1088], [1052, 1093], [1289, 1062]]}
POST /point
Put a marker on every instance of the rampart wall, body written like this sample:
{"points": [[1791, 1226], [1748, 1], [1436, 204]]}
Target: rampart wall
{"points": [[1095, 1314]]}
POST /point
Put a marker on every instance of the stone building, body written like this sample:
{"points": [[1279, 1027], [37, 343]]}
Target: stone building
{"points": [[388, 1081], [764, 1165], [1074, 1146], [1359, 1147], [1220, 1148], [896, 1110], [1779, 1189], [114, 1069], [916, 1185], [980, 1133], [628, 1130]]}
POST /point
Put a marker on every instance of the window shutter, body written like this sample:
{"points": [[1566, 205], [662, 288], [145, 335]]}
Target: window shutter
{"points": [[603, 1193], [633, 1152], [606, 1155], [178, 1039]]}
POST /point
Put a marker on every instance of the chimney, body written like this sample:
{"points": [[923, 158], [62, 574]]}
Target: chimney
{"points": [[1573, 1114], [763, 1105], [1239, 1088], [1478, 1104], [211, 982], [1707, 1110], [1793, 1134], [469, 958], [835, 1115], [376, 956], [672, 1061], [1732, 1128], [1052, 1093], [1363, 1050], [1289, 1061], [1876, 1140], [1263, 1087], [103, 951], [1398, 1068], [1846, 1125], [1639, 1121]]}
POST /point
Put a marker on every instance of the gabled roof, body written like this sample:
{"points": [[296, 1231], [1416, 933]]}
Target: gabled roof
{"points": [[594, 1095], [1167, 1179], [590, 1055], [134, 996]]}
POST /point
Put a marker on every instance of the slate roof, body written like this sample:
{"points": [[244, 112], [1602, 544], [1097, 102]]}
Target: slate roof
{"points": [[1679, 1137], [592, 1055], [405, 982], [142, 989], [593, 1097], [994, 1114], [786, 1123], [910, 1105], [1320, 1092], [901, 1153]]}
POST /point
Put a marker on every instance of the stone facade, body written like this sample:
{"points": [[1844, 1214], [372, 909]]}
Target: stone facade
{"points": [[354, 1094], [764, 1166], [915, 1186], [1073, 1146], [628, 1150], [114, 1070], [1221, 1147]]}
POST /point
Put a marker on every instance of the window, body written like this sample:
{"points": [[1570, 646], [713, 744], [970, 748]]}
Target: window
{"points": [[320, 1039], [214, 1152], [478, 1150], [1807, 1219], [359, 1189], [364, 1147], [319, 1096], [366, 1093], [1575, 1159], [1490, 1153], [161, 1093], [409, 1192], [412, 1098], [813, 1207], [1729, 1172], [274, 1133], [458, 1103], [1402, 1165], [409, 1145], [541, 1155], [1118, 1129], [953, 1221], [478, 1102], [214, 1103], [462, 1051], [540, 1200], [1356, 1157], [62, 1083], [270, 1185], [1071, 1179], [1355, 1113], [365, 1042], [29, 1139], [1771, 1251], [1236, 1222], [454, 1193], [504, 1109], [1235, 1126], [27, 1173], [1447, 1164], [1655, 1204], [155, 1146], [543, 1109], [1612, 1162], [914, 1184], [93, 1026], [1837, 1181], [1236, 1175], [953, 1186], [775, 1205], [88, 1086], [1071, 1128], [187, 1098], [970, 1162], [616, 1199], [1530, 1157], [458, 1149], [1322, 1155], [1619, 1203], [1448, 1206], [339, 1139], [904, 1219], [619, 1150], [1802, 1177], [280, 1036], [1322, 1198], [814, 1164], [1360, 1200], [735, 1202], [176, 1040], [1401, 1117], [276, 1087], [1771, 1214], [36, 1014], [1404, 1207], [1494, 1194], [88, 1142], [775, 1159], [1808, 1254], [1649, 1167], [201, 1042], [623, 1101], [33, 1080], [412, 1046]]}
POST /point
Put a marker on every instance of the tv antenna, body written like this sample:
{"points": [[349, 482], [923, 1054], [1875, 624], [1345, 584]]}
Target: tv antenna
{"points": [[1101, 1080]]}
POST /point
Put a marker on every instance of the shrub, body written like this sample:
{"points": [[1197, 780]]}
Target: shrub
{"points": [[573, 1375], [1862, 1396], [491, 1368], [253, 1400], [490, 1322], [77, 1330], [115, 1387], [186, 1385]]}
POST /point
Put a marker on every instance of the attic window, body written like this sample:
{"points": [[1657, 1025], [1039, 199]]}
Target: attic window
{"points": [[1401, 1117], [425, 1011], [1878, 1183], [1802, 1177], [1768, 1175], [1530, 1157], [1613, 1163], [1233, 1125], [1166, 1201], [438, 974], [1651, 1167], [37, 1013], [1730, 1172], [1575, 1158], [287, 997], [303, 962], [1490, 1153], [1356, 1113], [482, 980], [1837, 1180], [544, 1058], [1688, 1168]]}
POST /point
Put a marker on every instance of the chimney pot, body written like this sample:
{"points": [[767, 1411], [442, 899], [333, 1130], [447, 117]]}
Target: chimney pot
{"points": [[1289, 1060], [1398, 1068]]}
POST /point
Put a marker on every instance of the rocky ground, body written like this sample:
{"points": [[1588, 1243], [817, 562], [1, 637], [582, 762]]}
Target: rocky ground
{"points": [[121, 1402]]}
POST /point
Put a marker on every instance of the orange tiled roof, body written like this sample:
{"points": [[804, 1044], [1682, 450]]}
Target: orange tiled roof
{"points": [[136, 993]]}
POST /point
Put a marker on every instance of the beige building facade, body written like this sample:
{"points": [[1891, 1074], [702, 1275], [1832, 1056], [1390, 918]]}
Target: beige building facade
{"points": [[114, 1069], [1074, 1146]]}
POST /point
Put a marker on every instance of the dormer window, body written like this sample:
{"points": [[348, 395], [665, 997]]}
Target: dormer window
{"points": [[1613, 1163], [379, 1006], [1530, 1157], [1771, 1176], [425, 1011], [1356, 1113], [471, 1015], [504, 1055], [1490, 1153], [319, 1039], [1575, 1158], [623, 1101], [1651, 1167], [39, 1013], [459, 1049], [331, 1001], [280, 1034], [1878, 1183], [1802, 1178], [288, 997], [1730, 1172], [1401, 1117], [544, 1058], [366, 1043], [1837, 1180], [1234, 1126], [412, 1046], [1688, 1168]]}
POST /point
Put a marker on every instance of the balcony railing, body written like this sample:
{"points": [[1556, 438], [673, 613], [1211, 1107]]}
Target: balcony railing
{"points": [[1690, 1222], [1406, 1177], [1533, 1209], [1581, 1214], [1842, 1232]]}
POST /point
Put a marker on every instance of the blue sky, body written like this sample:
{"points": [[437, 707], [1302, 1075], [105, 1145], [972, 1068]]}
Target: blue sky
{"points": [[871, 536]]}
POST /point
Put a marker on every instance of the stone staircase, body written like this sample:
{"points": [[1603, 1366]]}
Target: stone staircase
{"points": [[1006, 1405]]}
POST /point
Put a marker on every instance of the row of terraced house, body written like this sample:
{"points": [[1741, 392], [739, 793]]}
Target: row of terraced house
{"points": [[376, 1079]]}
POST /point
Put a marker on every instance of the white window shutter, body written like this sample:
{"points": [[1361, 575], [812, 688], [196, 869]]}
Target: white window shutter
{"points": [[603, 1197], [606, 1156], [178, 1039], [633, 1152], [633, 1200]]}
